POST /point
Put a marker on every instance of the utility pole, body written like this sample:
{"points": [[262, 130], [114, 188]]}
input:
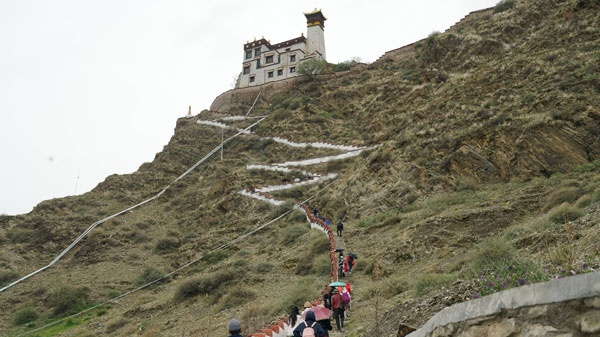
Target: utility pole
{"points": [[222, 132]]}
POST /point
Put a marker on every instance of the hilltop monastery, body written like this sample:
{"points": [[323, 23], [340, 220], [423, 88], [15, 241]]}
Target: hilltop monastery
{"points": [[265, 62]]}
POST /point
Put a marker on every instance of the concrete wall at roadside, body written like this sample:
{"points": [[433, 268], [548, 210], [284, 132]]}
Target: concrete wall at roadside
{"points": [[568, 307]]}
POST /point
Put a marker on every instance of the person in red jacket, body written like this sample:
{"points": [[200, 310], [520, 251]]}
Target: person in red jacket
{"points": [[336, 305]]}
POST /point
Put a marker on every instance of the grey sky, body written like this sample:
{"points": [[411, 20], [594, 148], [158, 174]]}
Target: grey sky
{"points": [[96, 86]]}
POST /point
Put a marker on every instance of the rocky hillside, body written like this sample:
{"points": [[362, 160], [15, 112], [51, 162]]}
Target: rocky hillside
{"points": [[486, 171]]}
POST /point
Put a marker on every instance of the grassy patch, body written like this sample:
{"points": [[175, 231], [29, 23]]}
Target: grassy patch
{"points": [[25, 315], [430, 282], [67, 300], [565, 212], [148, 275]]}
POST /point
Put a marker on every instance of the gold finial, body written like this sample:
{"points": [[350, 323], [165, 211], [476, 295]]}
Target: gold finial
{"points": [[302, 34], [247, 41], [255, 39], [269, 41], [262, 36]]}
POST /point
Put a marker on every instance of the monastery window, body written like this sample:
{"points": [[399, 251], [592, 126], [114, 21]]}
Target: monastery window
{"points": [[292, 58], [288, 49], [246, 69], [292, 70], [270, 74], [269, 59], [252, 79], [279, 72], [256, 52], [248, 54]]}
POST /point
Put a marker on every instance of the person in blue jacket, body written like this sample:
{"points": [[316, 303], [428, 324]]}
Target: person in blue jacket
{"points": [[309, 320]]}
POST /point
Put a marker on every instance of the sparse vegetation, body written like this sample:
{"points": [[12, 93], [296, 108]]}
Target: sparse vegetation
{"points": [[149, 274], [166, 245], [67, 300], [504, 5], [7, 276], [429, 282], [25, 315]]}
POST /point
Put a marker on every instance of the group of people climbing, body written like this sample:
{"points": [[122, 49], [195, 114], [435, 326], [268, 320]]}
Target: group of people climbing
{"points": [[315, 320], [334, 302], [340, 224]]}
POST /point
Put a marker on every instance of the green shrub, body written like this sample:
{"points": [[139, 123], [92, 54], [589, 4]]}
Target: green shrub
{"points": [[207, 284], [166, 245], [319, 245], [322, 265], [504, 5], [429, 282], [216, 257], [236, 296], [560, 214], [240, 263], [113, 294], [312, 67], [67, 300], [7, 276], [294, 234], [25, 315], [583, 201], [342, 66], [300, 293], [560, 196], [496, 265], [115, 324], [263, 267], [148, 275], [589, 167], [395, 285], [18, 235]]}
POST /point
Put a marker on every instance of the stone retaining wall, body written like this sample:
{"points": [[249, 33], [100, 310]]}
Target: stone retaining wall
{"points": [[408, 50], [568, 307]]}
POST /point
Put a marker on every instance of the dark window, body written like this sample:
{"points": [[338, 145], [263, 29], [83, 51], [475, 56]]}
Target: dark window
{"points": [[257, 63], [246, 70], [292, 70], [269, 59], [270, 74], [288, 49], [292, 58], [251, 79], [248, 54], [256, 51], [279, 72]]}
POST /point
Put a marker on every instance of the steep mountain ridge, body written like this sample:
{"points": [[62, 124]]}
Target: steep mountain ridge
{"points": [[484, 132]]}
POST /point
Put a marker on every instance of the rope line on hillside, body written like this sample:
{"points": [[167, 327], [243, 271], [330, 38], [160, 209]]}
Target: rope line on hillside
{"points": [[255, 100], [95, 224], [221, 247]]}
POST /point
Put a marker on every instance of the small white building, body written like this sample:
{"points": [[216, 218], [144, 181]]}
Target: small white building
{"points": [[265, 62]]}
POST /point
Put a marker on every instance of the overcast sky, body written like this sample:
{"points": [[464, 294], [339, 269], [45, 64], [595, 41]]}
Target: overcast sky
{"points": [[92, 88]]}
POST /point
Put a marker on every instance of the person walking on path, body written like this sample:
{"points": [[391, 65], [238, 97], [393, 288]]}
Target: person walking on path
{"points": [[311, 326], [336, 305], [234, 327], [293, 321], [340, 228]]}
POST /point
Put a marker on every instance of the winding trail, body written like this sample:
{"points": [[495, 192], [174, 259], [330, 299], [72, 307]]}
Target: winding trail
{"points": [[262, 192]]}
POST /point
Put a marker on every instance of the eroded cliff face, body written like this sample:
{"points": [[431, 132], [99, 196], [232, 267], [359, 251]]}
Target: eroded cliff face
{"points": [[511, 155]]}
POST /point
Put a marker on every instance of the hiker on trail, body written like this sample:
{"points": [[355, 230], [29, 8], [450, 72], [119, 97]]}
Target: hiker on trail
{"points": [[341, 261], [326, 298], [234, 327], [327, 222], [252, 189], [316, 211], [346, 299], [349, 264], [293, 321], [309, 327], [340, 228], [336, 303]]}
